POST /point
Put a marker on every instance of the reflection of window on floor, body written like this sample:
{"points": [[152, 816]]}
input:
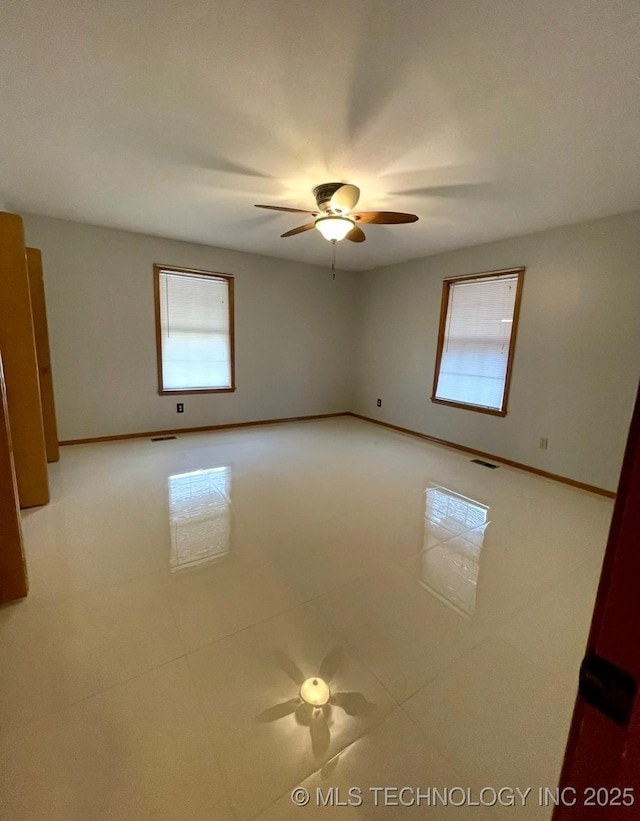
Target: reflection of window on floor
{"points": [[450, 569], [200, 517], [453, 512]]}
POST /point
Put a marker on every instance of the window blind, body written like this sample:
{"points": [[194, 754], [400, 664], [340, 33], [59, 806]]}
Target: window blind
{"points": [[195, 331], [475, 351]]}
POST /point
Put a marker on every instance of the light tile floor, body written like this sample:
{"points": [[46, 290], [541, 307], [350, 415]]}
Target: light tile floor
{"points": [[181, 591]]}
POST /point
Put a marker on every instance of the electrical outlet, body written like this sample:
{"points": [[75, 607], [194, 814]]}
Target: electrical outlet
{"points": [[379, 403], [544, 443], [180, 407]]}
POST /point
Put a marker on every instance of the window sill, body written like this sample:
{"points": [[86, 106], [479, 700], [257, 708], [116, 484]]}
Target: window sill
{"points": [[181, 392], [462, 406]]}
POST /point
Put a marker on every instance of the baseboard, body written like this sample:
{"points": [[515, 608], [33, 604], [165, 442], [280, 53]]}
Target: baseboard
{"points": [[204, 429], [556, 477], [177, 431]]}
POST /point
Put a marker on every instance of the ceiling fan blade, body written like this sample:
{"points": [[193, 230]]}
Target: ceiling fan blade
{"points": [[320, 735], [384, 217], [299, 229], [331, 663], [279, 711], [356, 234], [289, 666], [345, 198], [282, 208]]}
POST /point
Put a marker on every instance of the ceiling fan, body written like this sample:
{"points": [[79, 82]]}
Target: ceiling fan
{"points": [[334, 217]]}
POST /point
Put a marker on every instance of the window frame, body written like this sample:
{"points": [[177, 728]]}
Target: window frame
{"points": [[444, 308], [162, 391]]}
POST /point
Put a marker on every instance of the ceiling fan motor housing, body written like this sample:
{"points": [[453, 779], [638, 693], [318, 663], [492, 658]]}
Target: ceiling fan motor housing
{"points": [[323, 194]]}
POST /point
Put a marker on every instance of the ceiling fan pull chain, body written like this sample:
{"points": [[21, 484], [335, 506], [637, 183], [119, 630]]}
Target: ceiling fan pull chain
{"points": [[333, 258]]}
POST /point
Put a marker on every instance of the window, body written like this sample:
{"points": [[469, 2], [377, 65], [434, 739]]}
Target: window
{"points": [[194, 330], [478, 323]]}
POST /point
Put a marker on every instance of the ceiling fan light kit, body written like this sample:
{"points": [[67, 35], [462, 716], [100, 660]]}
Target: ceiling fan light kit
{"points": [[334, 228]]}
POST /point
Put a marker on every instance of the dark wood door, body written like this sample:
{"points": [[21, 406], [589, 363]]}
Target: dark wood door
{"points": [[602, 758]]}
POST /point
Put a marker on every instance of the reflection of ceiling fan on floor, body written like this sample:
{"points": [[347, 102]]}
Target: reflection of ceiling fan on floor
{"points": [[334, 217]]}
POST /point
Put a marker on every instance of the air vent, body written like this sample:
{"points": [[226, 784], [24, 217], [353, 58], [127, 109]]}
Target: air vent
{"points": [[162, 438], [484, 464]]}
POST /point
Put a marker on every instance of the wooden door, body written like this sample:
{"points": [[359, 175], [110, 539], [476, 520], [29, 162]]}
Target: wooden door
{"points": [[41, 331], [13, 573], [18, 347], [602, 758]]}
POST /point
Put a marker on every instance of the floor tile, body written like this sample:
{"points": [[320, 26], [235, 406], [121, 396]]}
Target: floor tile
{"points": [[138, 751], [249, 684], [403, 633], [391, 771], [221, 598], [56, 652], [497, 718], [94, 537], [321, 557], [553, 632]]}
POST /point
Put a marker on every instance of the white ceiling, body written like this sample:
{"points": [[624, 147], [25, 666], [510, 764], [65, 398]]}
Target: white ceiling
{"points": [[487, 118]]}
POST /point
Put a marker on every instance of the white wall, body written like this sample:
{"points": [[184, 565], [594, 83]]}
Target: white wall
{"points": [[577, 359], [294, 332]]}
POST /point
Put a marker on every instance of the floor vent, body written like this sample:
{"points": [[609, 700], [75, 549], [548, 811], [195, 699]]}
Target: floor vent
{"points": [[485, 464], [162, 438]]}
